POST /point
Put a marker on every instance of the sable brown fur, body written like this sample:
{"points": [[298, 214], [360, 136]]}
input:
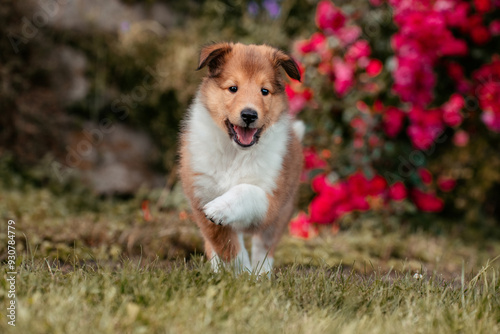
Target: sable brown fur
{"points": [[252, 67]]}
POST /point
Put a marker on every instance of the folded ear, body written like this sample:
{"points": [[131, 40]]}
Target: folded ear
{"points": [[213, 56], [289, 65]]}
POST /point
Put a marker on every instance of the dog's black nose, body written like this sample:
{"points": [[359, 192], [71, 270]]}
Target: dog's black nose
{"points": [[249, 115]]}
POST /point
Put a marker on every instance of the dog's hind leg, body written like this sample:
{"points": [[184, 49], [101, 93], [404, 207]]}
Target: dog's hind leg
{"points": [[262, 258], [265, 241]]}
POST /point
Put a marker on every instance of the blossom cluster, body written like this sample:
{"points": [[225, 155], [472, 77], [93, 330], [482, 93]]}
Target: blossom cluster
{"points": [[395, 98]]}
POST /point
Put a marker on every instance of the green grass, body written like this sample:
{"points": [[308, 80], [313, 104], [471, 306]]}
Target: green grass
{"points": [[190, 298], [73, 277]]}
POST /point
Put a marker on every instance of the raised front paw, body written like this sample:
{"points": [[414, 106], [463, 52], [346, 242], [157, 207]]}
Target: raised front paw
{"points": [[218, 212], [240, 207]]}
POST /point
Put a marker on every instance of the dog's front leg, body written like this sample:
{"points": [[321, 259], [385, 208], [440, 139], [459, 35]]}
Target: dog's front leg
{"points": [[240, 207]]}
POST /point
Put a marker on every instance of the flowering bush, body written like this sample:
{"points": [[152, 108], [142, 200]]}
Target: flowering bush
{"points": [[403, 102]]}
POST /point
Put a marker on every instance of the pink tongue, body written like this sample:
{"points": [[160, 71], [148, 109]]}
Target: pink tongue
{"points": [[245, 135]]}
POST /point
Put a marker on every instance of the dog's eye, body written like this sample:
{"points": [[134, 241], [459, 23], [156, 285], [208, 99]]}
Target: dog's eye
{"points": [[233, 89], [264, 91]]}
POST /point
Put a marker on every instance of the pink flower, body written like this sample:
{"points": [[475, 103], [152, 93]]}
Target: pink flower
{"points": [[451, 110], [423, 38], [487, 89], [414, 80], [392, 121], [491, 119], [461, 138], [427, 202], [359, 125], [425, 126], [397, 191], [344, 76], [495, 27], [348, 35], [329, 18], [457, 15], [360, 49], [446, 184]]}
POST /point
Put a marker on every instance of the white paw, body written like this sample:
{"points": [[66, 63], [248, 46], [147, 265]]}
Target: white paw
{"points": [[240, 207], [219, 212]]}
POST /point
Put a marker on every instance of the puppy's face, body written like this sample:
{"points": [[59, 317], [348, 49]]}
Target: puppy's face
{"points": [[244, 91]]}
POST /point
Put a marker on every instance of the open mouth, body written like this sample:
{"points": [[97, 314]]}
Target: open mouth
{"points": [[243, 136]]}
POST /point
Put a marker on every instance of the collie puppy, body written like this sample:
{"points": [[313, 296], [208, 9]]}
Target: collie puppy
{"points": [[241, 155]]}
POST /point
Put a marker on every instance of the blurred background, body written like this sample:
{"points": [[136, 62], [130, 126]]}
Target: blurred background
{"points": [[401, 100]]}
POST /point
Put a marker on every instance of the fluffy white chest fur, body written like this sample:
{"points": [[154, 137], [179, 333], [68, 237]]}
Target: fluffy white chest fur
{"points": [[219, 164]]}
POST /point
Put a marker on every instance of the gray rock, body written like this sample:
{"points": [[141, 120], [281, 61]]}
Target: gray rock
{"points": [[117, 162]]}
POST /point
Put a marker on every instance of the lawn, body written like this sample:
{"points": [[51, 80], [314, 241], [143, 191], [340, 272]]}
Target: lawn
{"points": [[188, 298], [97, 266]]}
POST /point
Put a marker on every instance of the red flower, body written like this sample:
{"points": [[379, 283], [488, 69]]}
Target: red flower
{"points": [[425, 175], [426, 202], [312, 160], [316, 43], [446, 184], [374, 67], [359, 189], [378, 185], [301, 227], [392, 121], [335, 200], [480, 35], [329, 204], [297, 98], [482, 5], [329, 18], [397, 191], [319, 183]]}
